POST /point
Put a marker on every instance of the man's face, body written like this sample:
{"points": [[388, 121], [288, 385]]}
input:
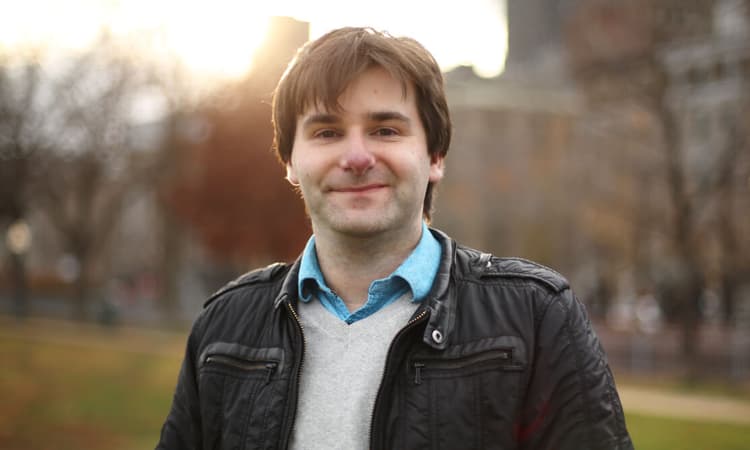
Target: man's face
{"points": [[364, 170]]}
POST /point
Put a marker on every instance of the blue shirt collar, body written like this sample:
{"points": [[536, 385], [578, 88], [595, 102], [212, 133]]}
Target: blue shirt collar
{"points": [[418, 271], [421, 266], [310, 276]]}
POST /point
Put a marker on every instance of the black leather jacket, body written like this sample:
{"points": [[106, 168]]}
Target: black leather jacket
{"points": [[500, 355]]}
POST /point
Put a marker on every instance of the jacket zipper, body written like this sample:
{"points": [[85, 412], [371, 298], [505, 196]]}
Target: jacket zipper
{"points": [[505, 355], [244, 364], [289, 419], [403, 331]]}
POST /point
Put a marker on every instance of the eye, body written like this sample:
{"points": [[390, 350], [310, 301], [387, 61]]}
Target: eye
{"points": [[386, 132], [325, 134]]}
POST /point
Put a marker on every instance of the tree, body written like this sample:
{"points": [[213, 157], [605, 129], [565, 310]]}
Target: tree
{"points": [[626, 55], [85, 175], [232, 193], [20, 94]]}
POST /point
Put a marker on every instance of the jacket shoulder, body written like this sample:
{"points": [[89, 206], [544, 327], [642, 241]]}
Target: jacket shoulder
{"points": [[523, 268], [257, 276], [485, 265]]}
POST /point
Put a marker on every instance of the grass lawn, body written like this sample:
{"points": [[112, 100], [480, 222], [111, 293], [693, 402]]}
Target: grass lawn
{"points": [[76, 397], [71, 390], [659, 433]]}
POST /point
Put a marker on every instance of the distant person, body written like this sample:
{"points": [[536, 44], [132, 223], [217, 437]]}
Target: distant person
{"points": [[386, 334]]}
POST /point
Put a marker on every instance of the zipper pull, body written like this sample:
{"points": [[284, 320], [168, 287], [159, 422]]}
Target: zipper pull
{"points": [[418, 372], [270, 368]]}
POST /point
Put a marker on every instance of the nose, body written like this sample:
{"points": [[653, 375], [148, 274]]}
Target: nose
{"points": [[357, 157]]}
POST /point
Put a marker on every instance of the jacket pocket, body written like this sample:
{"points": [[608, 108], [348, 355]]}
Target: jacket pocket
{"points": [[230, 364], [233, 380], [432, 367], [465, 396]]}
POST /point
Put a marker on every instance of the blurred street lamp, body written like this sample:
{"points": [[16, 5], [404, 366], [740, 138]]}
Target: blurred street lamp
{"points": [[18, 237], [18, 241]]}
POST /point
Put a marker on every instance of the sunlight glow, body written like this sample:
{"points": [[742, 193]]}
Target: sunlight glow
{"points": [[218, 39], [467, 32]]}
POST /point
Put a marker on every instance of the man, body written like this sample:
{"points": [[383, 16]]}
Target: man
{"points": [[385, 334]]}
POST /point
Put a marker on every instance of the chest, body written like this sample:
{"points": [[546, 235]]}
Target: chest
{"points": [[343, 367]]}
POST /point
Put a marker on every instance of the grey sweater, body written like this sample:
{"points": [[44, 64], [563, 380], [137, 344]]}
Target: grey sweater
{"points": [[341, 372]]}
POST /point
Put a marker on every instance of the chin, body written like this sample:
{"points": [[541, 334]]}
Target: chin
{"points": [[360, 229], [362, 222], [362, 225]]}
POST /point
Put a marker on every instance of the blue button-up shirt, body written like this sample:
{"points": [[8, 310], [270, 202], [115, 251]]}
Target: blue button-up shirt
{"points": [[416, 273]]}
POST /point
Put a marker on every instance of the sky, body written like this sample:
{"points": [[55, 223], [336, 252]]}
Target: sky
{"points": [[217, 38]]}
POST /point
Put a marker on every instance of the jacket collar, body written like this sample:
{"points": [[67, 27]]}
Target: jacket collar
{"points": [[288, 292], [440, 303]]}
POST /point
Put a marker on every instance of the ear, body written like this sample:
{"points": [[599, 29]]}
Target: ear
{"points": [[437, 168], [291, 176]]}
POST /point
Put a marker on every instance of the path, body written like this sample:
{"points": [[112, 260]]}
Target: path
{"points": [[685, 406]]}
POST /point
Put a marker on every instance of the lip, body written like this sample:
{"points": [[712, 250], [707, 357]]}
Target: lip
{"points": [[359, 189]]}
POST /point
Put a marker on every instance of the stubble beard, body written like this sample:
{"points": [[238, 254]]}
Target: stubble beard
{"points": [[368, 221]]}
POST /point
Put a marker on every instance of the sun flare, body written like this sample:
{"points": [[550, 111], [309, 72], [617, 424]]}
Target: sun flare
{"points": [[211, 42], [207, 39], [218, 39]]}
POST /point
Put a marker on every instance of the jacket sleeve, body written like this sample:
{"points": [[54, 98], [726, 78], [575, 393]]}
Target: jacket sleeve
{"points": [[182, 429], [571, 399]]}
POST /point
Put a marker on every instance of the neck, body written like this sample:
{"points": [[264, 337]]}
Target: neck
{"points": [[351, 263]]}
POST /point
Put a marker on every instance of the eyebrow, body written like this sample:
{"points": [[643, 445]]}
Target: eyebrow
{"points": [[319, 118], [383, 116], [377, 116]]}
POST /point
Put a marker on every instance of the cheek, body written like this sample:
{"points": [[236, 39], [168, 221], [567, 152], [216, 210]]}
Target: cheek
{"points": [[312, 167]]}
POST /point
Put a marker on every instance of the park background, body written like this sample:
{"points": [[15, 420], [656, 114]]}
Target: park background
{"points": [[607, 139]]}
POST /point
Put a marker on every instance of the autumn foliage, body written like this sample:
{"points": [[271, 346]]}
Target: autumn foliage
{"points": [[232, 193]]}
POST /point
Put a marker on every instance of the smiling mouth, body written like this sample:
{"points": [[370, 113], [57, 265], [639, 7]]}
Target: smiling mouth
{"points": [[357, 189]]}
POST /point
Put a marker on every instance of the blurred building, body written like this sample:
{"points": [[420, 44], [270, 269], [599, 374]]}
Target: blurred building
{"points": [[512, 140], [535, 170], [527, 146], [710, 83], [709, 91], [535, 27]]}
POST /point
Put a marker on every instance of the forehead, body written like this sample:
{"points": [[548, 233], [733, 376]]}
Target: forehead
{"points": [[374, 84]]}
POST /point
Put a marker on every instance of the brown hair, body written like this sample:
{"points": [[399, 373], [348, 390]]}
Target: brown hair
{"points": [[323, 69]]}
